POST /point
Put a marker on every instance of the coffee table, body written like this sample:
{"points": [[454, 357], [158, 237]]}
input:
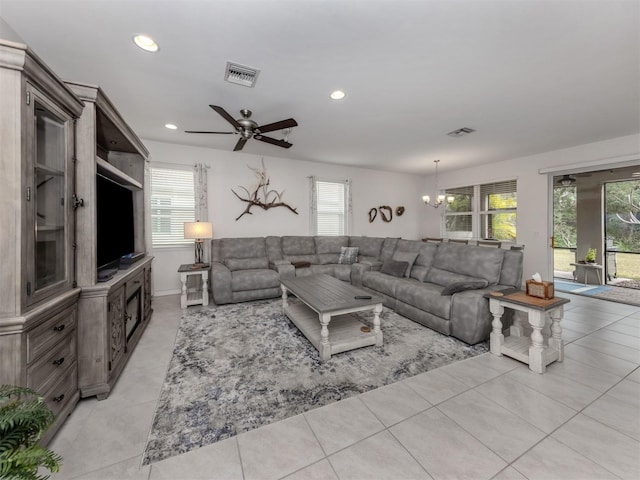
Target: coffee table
{"points": [[325, 299]]}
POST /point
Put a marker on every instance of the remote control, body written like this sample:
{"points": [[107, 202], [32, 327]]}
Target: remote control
{"points": [[362, 297]]}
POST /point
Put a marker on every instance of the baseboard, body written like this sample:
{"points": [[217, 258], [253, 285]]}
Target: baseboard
{"points": [[164, 293]]}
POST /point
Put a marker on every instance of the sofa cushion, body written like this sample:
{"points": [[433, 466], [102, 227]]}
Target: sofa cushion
{"points": [[463, 286], [298, 245], [330, 244], [234, 264], [328, 258], [348, 255], [423, 262], [424, 296], [274, 248], [409, 257], [381, 282], [445, 277], [393, 267], [342, 272], [469, 260], [312, 259], [249, 247], [243, 280], [368, 246], [328, 248]]}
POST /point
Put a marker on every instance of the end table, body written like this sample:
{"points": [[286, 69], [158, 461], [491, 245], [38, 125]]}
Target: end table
{"points": [[198, 295], [533, 350]]}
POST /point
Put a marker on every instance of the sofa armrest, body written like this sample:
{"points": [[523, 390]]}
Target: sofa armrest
{"points": [[284, 268], [221, 283]]}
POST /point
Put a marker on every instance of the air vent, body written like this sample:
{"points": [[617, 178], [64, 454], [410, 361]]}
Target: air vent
{"points": [[460, 132], [241, 74]]}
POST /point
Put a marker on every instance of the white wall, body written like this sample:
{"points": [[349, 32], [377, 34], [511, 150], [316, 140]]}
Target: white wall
{"points": [[533, 226], [370, 188]]}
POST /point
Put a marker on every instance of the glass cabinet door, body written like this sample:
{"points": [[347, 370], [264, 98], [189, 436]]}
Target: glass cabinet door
{"points": [[50, 155], [49, 217]]}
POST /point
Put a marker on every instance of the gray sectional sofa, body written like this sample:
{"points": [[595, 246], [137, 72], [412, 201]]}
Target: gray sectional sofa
{"points": [[245, 269]]}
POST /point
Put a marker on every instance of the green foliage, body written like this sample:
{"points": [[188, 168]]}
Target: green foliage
{"points": [[564, 216], [591, 255], [23, 418], [623, 201]]}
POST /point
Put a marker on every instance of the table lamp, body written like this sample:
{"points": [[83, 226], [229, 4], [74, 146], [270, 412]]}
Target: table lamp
{"points": [[199, 231]]}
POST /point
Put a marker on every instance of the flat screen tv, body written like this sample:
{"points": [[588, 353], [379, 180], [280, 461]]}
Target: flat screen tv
{"points": [[115, 228]]}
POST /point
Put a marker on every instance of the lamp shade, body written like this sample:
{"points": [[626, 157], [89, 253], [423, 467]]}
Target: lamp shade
{"points": [[198, 230]]}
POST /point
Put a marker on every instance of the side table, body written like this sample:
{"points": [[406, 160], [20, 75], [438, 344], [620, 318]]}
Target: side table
{"points": [[586, 268], [531, 351], [198, 295]]}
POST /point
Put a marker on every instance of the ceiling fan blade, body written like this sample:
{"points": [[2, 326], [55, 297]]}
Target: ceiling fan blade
{"points": [[223, 113], [240, 144], [197, 131], [270, 127], [273, 141]]}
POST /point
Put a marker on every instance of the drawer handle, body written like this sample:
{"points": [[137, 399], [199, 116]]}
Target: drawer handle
{"points": [[58, 328], [59, 398], [58, 362]]}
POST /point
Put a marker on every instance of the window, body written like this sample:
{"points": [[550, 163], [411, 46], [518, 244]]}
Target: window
{"points": [[331, 200], [485, 211], [172, 204]]}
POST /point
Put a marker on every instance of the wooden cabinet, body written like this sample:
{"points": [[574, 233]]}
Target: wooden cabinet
{"points": [[38, 298], [111, 319], [112, 314]]}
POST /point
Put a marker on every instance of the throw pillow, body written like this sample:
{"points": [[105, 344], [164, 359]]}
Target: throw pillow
{"points": [[409, 257], [348, 255], [394, 267], [462, 286]]}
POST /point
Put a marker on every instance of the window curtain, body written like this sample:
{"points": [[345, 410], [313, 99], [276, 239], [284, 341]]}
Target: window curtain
{"points": [[202, 201], [313, 202]]}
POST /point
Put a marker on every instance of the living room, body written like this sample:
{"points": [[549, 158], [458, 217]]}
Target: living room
{"points": [[559, 97]]}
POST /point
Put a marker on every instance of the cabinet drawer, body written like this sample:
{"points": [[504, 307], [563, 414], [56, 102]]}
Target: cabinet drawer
{"points": [[63, 391], [47, 334], [134, 284], [47, 370]]}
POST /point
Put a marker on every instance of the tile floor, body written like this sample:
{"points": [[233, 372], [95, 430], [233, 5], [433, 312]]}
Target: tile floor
{"points": [[481, 418]]}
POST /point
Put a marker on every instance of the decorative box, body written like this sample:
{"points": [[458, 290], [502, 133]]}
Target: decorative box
{"points": [[540, 289]]}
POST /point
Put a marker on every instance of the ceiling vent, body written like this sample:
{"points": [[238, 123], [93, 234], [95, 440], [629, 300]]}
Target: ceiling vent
{"points": [[460, 132], [241, 74]]}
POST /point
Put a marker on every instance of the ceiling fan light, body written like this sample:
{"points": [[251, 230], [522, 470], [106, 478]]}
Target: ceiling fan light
{"points": [[145, 43], [337, 95], [171, 126], [567, 181]]}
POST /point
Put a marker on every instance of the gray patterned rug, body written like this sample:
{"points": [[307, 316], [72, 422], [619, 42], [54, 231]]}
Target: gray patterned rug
{"points": [[239, 367]]}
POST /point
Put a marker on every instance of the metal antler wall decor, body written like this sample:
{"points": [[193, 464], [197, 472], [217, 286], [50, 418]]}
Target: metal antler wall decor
{"points": [[261, 196]]}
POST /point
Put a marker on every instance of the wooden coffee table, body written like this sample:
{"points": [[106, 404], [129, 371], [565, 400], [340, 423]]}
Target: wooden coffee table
{"points": [[325, 299]]}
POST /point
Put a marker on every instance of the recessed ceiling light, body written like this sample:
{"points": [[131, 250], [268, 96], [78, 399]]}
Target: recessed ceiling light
{"points": [[171, 126], [337, 95], [145, 43]]}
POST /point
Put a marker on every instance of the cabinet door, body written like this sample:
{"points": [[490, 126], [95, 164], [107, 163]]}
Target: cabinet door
{"points": [[49, 213], [117, 337], [147, 292]]}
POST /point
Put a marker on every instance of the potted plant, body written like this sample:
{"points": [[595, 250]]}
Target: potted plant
{"points": [[590, 257], [24, 417]]}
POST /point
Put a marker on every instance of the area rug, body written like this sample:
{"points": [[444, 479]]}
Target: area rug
{"points": [[630, 296], [239, 367]]}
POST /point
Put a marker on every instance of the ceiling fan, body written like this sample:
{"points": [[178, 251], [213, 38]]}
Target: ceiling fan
{"points": [[247, 128], [570, 179]]}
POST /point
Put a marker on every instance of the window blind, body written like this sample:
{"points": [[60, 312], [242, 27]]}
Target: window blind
{"points": [[331, 208], [172, 204]]}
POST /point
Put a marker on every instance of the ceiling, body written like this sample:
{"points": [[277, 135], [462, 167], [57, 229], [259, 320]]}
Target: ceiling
{"points": [[529, 76]]}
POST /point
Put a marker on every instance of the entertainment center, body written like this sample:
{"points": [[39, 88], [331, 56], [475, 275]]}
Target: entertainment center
{"points": [[72, 189], [115, 302]]}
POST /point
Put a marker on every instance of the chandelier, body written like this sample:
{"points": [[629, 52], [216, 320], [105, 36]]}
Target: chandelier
{"points": [[439, 199]]}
